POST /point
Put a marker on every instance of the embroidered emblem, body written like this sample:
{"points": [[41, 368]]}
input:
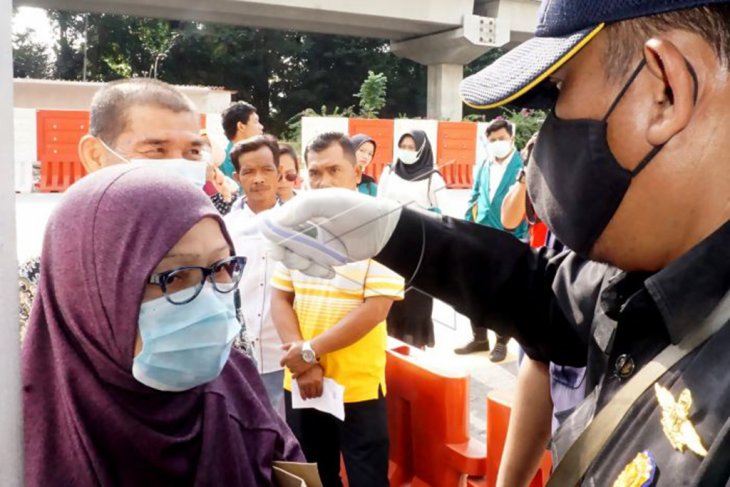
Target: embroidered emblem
{"points": [[675, 421], [640, 472]]}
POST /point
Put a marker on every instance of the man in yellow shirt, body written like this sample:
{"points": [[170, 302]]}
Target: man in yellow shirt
{"points": [[335, 328]]}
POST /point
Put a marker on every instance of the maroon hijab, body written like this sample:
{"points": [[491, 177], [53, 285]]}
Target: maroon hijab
{"points": [[88, 421]]}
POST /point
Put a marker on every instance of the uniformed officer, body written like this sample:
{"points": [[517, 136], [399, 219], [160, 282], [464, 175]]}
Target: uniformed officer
{"points": [[632, 172]]}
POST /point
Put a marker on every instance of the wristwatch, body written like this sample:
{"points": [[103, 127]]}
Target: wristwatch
{"points": [[308, 354]]}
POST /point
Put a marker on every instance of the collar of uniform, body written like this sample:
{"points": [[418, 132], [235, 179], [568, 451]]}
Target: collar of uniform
{"points": [[689, 288], [622, 292]]}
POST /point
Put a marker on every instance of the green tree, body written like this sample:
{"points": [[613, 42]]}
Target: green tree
{"points": [[372, 94], [30, 58], [69, 57], [281, 73]]}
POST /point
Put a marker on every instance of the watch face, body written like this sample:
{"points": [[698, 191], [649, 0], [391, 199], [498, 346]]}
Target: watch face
{"points": [[308, 356]]}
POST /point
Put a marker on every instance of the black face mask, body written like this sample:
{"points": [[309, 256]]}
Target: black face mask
{"points": [[575, 183]]}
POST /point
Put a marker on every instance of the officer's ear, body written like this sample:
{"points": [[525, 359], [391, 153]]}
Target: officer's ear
{"points": [[674, 87]]}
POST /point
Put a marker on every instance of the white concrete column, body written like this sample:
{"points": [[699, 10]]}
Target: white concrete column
{"points": [[11, 417], [443, 92]]}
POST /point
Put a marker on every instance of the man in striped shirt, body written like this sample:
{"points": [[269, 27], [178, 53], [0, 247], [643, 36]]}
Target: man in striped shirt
{"points": [[335, 328]]}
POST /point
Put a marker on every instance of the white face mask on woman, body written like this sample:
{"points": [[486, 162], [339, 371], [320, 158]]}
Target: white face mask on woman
{"points": [[408, 156]]}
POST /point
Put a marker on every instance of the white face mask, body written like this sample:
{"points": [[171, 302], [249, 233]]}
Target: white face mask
{"points": [[194, 171], [407, 156], [500, 149]]}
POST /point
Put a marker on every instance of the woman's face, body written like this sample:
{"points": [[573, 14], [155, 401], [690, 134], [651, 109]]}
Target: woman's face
{"points": [[287, 167], [408, 143], [202, 246], [365, 154]]}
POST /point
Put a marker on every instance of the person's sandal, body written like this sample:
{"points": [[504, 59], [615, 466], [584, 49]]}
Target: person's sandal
{"points": [[499, 352], [473, 346]]}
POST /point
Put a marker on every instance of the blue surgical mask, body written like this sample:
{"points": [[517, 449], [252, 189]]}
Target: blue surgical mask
{"points": [[184, 346]]}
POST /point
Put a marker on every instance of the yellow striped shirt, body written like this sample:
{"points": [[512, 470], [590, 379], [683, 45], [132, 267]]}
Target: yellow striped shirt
{"points": [[321, 303]]}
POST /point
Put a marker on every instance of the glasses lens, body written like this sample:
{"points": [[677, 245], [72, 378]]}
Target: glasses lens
{"points": [[290, 176], [183, 285], [227, 274]]}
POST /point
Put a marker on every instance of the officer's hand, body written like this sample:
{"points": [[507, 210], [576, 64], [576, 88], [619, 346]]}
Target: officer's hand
{"points": [[310, 383], [348, 227]]}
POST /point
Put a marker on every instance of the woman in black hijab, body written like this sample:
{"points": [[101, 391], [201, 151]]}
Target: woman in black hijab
{"points": [[414, 181]]}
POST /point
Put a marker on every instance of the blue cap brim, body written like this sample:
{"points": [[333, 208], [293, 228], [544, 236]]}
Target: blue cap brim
{"points": [[522, 69]]}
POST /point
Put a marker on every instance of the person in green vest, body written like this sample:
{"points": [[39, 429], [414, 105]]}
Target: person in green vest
{"points": [[492, 181], [240, 122]]}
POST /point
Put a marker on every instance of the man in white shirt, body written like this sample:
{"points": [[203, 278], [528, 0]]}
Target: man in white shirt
{"points": [[256, 161]]}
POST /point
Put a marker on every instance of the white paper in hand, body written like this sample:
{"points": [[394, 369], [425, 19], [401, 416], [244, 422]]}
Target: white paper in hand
{"points": [[331, 401]]}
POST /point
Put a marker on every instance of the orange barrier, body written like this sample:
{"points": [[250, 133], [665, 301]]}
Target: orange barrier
{"points": [[457, 153], [59, 132], [499, 406], [428, 421], [56, 176]]}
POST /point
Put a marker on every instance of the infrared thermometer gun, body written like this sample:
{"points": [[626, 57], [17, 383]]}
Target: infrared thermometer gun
{"points": [[308, 240]]}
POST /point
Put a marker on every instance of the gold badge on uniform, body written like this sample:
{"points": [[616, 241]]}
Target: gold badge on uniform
{"points": [[675, 420], [639, 472]]}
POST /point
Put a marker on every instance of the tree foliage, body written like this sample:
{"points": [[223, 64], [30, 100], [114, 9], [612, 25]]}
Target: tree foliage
{"points": [[30, 58], [282, 73], [372, 94]]}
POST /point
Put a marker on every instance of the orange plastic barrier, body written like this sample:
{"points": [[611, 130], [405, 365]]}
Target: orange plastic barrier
{"points": [[457, 153], [59, 132], [56, 176], [499, 406], [381, 131], [428, 421]]}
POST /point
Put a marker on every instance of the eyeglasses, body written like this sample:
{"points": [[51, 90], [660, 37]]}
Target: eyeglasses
{"points": [[291, 176], [183, 284]]}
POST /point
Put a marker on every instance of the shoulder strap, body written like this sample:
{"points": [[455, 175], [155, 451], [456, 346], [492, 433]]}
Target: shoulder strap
{"points": [[581, 454]]}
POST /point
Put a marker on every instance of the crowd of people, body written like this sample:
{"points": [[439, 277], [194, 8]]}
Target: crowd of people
{"points": [[289, 327], [172, 333]]}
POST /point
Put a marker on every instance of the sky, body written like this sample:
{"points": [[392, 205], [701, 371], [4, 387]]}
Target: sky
{"points": [[36, 19]]}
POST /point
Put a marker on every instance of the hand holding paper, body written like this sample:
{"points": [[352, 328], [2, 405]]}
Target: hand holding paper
{"points": [[331, 401]]}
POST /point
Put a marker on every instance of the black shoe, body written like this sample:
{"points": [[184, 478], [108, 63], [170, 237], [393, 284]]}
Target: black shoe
{"points": [[473, 347], [499, 353]]}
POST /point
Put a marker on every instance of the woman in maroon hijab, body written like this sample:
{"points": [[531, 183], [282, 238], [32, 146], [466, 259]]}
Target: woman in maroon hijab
{"points": [[128, 373]]}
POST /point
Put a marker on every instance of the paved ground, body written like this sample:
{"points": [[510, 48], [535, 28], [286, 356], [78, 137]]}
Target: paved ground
{"points": [[451, 329]]}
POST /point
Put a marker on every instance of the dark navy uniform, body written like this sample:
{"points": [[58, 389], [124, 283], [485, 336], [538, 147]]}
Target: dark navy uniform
{"points": [[571, 311]]}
